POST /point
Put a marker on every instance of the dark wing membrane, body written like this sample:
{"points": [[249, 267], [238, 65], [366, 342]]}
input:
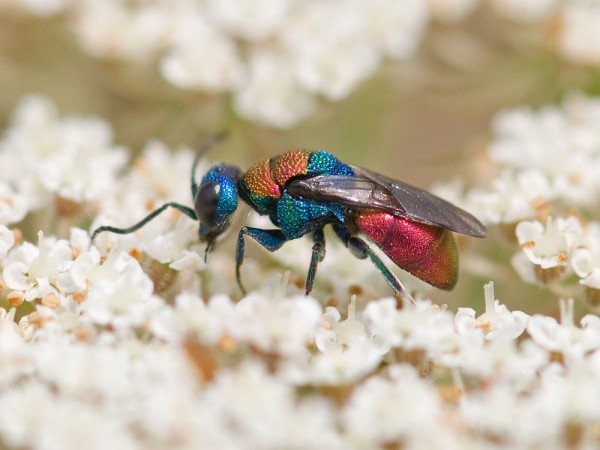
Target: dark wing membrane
{"points": [[370, 190]]}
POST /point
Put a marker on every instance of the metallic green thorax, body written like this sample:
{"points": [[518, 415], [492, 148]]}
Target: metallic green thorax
{"points": [[263, 187]]}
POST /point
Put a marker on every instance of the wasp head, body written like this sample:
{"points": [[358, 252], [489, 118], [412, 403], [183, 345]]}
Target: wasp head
{"points": [[215, 201]]}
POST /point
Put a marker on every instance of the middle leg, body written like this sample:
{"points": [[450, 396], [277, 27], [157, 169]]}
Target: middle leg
{"points": [[361, 250]]}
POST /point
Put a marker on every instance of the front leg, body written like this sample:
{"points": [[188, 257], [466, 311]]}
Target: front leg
{"points": [[270, 239], [184, 209]]}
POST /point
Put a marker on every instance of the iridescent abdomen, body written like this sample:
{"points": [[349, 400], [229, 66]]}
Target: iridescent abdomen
{"points": [[428, 252]]}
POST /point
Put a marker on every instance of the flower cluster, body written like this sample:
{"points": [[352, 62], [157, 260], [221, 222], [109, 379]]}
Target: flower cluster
{"points": [[133, 371], [46, 158], [546, 187], [133, 342], [277, 57]]}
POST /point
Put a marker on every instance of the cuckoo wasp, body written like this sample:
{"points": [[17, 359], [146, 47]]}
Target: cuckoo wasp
{"points": [[302, 191]]}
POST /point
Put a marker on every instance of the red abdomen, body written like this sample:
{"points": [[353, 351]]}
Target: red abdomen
{"points": [[427, 252]]}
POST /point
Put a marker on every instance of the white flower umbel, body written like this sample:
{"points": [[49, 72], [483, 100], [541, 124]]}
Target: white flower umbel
{"points": [[549, 246], [7, 240], [111, 29], [424, 327], [330, 60], [270, 92], [190, 316], [14, 205], [529, 12], [451, 11], [41, 8], [200, 56], [510, 197], [240, 396], [36, 271], [254, 20], [72, 157], [561, 142], [286, 327], [497, 323], [393, 409], [585, 260], [346, 352], [315, 47], [579, 35], [574, 344], [119, 294], [335, 334], [396, 28]]}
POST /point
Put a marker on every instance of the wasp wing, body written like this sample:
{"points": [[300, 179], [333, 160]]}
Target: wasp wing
{"points": [[369, 190]]}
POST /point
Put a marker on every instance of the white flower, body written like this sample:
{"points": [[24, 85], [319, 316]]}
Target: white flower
{"points": [[396, 28], [84, 166], [270, 92], [336, 368], [549, 246], [7, 240], [111, 29], [399, 408], [15, 355], [41, 8], [80, 271], [529, 11], [497, 323], [13, 204], [174, 247], [119, 294], [328, 52], [285, 327], [347, 353], [500, 412], [52, 408], [191, 316], [36, 270], [586, 258], [200, 56], [565, 337], [328, 47], [451, 11], [579, 38], [562, 142], [510, 197], [72, 157], [264, 411], [422, 327], [335, 335], [254, 20]]}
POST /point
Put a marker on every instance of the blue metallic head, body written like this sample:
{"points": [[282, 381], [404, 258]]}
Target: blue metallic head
{"points": [[216, 200]]}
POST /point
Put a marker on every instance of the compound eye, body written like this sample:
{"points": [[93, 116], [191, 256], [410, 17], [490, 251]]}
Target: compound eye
{"points": [[206, 202]]}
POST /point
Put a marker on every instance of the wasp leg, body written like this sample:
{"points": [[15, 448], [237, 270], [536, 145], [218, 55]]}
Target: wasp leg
{"points": [[360, 249], [184, 209], [269, 239], [318, 253]]}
